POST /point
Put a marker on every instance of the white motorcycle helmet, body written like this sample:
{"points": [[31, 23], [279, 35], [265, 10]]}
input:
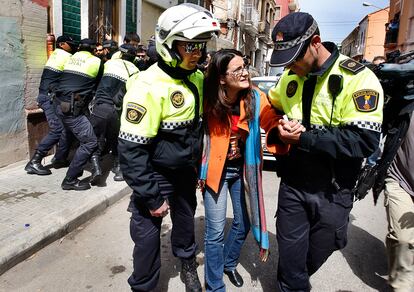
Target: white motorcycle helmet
{"points": [[184, 22]]}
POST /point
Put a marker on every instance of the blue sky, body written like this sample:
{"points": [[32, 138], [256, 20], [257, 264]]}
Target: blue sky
{"points": [[337, 18]]}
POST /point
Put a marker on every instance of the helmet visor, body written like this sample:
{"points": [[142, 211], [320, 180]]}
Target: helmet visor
{"points": [[191, 47]]}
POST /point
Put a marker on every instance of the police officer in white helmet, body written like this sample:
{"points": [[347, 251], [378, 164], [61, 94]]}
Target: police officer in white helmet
{"points": [[160, 144]]}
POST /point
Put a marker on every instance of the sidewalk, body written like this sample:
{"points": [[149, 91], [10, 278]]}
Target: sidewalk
{"points": [[35, 211]]}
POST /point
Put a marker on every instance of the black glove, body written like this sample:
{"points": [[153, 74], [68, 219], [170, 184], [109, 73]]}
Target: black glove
{"points": [[366, 180]]}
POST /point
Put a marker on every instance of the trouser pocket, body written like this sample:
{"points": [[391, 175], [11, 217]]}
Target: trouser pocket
{"points": [[344, 202], [341, 237]]}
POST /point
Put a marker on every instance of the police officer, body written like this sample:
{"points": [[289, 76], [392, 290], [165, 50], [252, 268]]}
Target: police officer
{"points": [[108, 103], [159, 144], [110, 47], [131, 38], [333, 108], [50, 76], [76, 88], [395, 172]]}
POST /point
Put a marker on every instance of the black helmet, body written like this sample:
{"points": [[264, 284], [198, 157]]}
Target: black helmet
{"points": [[110, 44], [128, 52], [87, 45], [64, 39]]}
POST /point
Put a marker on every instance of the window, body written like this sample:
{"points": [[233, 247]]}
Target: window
{"points": [[277, 13]]}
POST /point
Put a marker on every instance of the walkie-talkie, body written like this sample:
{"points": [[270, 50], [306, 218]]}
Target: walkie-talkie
{"points": [[335, 85]]}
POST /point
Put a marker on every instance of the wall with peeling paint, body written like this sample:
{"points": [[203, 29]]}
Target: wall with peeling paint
{"points": [[22, 56]]}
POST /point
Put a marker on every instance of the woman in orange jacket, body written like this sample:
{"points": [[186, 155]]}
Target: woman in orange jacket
{"points": [[232, 163]]}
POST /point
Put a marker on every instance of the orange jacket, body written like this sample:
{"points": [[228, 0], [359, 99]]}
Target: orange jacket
{"points": [[220, 139]]}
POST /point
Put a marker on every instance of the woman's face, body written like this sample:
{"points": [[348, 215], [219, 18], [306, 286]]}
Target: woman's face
{"points": [[190, 53], [236, 77]]}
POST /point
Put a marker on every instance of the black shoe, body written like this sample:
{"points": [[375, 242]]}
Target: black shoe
{"points": [[58, 163], [235, 278], [189, 275], [34, 166], [75, 184]]}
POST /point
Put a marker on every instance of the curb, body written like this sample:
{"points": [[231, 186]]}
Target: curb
{"points": [[63, 224]]}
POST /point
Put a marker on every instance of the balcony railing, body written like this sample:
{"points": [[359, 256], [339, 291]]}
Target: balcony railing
{"points": [[391, 36]]}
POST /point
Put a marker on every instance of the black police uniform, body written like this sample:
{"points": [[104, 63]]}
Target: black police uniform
{"points": [[159, 148], [50, 77], [108, 103], [343, 123], [81, 74]]}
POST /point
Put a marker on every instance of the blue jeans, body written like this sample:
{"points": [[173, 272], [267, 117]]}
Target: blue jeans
{"points": [[223, 253]]}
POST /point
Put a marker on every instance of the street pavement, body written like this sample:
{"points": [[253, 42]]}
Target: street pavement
{"points": [[96, 256], [35, 211]]}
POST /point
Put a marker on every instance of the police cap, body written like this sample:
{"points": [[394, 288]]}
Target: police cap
{"points": [[128, 49], [110, 44], [65, 39], [289, 37]]}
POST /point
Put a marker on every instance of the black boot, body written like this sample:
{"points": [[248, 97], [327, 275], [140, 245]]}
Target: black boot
{"points": [[96, 169], [117, 170], [35, 165], [70, 183], [189, 275], [58, 163]]}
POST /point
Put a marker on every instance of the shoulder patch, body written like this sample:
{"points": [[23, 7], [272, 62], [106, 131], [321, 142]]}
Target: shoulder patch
{"points": [[351, 65], [291, 88], [177, 99], [134, 112], [366, 100]]}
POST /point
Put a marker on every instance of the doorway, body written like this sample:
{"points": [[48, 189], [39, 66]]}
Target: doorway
{"points": [[104, 20]]}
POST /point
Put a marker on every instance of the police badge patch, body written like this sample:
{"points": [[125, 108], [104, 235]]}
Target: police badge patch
{"points": [[177, 99], [291, 88], [366, 100], [135, 112]]}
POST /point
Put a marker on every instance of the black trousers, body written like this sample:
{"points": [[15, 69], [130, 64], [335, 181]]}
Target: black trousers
{"points": [[105, 121], [145, 230], [82, 129], [57, 133], [310, 226]]}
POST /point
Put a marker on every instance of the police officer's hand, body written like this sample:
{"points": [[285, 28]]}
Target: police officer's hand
{"points": [[161, 211], [293, 126], [289, 131]]}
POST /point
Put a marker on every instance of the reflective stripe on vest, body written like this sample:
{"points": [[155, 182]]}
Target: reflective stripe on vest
{"points": [[156, 101], [83, 63], [287, 97], [119, 69]]}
